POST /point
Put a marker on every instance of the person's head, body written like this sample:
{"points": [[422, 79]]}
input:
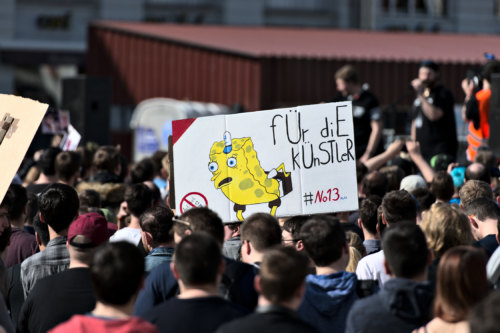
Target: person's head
{"points": [[446, 226], [347, 79], [32, 208], [485, 316], [142, 171], [461, 283], [394, 175], [411, 183], [484, 215], [156, 158], [5, 228], [428, 73], [473, 189], [86, 233], [477, 171], [19, 200], [425, 198], [157, 226], [47, 160], [491, 67], [368, 216], [259, 232], [199, 219], [90, 200], [155, 192], [67, 166], [290, 233], [281, 276], [398, 206], [405, 250], [107, 158], [198, 261], [374, 183], [139, 198], [325, 241], [117, 273], [41, 232], [58, 206], [442, 186]]}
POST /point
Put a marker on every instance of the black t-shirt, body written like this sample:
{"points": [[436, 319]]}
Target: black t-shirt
{"points": [[365, 107], [194, 315], [440, 136], [55, 299]]}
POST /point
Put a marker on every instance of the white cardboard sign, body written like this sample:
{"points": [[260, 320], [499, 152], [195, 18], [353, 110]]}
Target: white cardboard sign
{"points": [[20, 117], [286, 162]]}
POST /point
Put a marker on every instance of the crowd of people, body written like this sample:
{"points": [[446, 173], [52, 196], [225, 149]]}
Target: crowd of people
{"points": [[89, 243]]}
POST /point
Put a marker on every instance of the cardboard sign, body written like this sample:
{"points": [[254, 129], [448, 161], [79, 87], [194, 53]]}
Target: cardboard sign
{"points": [[285, 162], [19, 121]]}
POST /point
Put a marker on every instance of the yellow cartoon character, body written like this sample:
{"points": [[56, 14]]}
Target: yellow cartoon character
{"points": [[238, 174]]}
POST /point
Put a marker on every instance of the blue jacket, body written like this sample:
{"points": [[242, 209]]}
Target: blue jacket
{"points": [[327, 300]]}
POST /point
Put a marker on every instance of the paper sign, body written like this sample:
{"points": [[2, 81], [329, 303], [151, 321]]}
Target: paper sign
{"points": [[285, 162], [26, 116], [70, 140]]}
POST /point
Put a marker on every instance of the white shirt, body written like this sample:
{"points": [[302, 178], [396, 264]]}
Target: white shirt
{"points": [[493, 267], [127, 234], [372, 267]]}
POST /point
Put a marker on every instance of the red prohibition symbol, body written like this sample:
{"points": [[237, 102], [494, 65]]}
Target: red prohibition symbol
{"points": [[193, 199]]}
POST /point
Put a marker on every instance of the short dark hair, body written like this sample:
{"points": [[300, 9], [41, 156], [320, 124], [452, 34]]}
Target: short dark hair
{"points": [[262, 230], [116, 271], [47, 161], [42, 229], [324, 238], [483, 208], [491, 67], [59, 206], [282, 273], [19, 199], [5, 238], [405, 249], [139, 198], [485, 316], [375, 183], [201, 219], [32, 207], [368, 215], [90, 198], [442, 186], [424, 197], [158, 222], [156, 158], [399, 206], [106, 158], [142, 171], [294, 224], [67, 164], [197, 259]]}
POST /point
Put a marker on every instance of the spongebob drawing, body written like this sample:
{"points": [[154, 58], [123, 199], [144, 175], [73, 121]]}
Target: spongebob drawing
{"points": [[238, 174]]}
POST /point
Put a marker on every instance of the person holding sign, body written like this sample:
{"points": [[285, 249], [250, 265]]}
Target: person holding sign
{"points": [[365, 112]]}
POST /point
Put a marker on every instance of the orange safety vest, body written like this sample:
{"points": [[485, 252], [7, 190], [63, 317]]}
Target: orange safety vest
{"points": [[479, 137]]}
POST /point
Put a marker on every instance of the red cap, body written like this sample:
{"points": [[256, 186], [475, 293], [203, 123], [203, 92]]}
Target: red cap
{"points": [[91, 225]]}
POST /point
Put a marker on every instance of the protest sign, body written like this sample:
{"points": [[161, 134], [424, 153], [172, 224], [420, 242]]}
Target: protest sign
{"points": [[19, 121], [71, 139], [286, 162]]}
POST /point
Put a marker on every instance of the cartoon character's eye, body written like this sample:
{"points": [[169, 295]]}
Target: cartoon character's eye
{"points": [[231, 162], [213, 166]]}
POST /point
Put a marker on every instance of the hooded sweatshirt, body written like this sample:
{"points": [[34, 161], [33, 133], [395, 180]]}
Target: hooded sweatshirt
{"points": [[401, 306], [327, 300]]}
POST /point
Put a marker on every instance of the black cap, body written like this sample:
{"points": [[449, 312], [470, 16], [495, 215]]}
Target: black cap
{"points": [[430, 64]]}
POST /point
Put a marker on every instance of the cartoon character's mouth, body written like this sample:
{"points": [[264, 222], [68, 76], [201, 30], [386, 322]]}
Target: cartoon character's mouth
{"points": [[225, 181]]}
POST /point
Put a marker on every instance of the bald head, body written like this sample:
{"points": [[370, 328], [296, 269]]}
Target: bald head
{"points": [[477, 171]]}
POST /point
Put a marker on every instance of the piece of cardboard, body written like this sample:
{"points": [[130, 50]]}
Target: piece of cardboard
{"points": [[28, 115], [287, 162]]}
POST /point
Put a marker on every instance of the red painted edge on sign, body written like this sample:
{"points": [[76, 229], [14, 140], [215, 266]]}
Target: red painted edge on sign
{"points": [[179, 127]]}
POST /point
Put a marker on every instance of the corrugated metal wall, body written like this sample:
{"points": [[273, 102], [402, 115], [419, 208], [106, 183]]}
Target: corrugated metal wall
{"points": [[142, 68]]}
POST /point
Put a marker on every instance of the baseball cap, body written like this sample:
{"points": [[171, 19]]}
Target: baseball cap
{"points": [[412, 182], [91, 225]]}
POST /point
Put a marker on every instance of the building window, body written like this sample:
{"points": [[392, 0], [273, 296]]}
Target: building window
{"points": [[440, 7], [421, 6], [385, 5], [497, 8], [402, 6]]}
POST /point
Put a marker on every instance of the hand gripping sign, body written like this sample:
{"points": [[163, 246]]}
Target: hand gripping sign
{"points": [[285, 162]]}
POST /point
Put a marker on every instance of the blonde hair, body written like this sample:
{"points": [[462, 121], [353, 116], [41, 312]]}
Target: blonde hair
{"points": [[354, 258], [474, 189], [446, 226]]}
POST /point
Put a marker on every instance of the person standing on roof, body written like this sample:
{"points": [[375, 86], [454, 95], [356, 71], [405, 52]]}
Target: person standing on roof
{"points": [[365, 111], [433, 124]]}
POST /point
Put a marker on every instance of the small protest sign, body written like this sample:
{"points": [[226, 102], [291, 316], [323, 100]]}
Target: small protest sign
{"points": [[19, 122], [70, 140], [286, 162]]}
